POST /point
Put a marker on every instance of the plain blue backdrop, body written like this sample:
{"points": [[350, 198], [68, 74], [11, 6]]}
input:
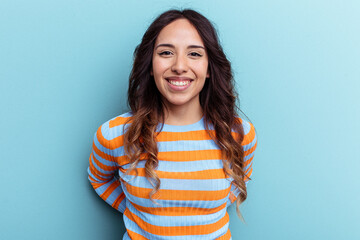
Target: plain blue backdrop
{"points": [[64, 68]]}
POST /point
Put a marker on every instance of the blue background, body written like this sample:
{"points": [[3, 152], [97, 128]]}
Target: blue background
{"points": [[64, 67]]}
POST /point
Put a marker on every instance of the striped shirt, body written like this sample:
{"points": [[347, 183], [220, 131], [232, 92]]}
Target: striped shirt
{"points": [[194, 191]]}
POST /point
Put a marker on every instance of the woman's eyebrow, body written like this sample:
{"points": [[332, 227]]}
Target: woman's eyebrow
{"points": [[195, 46], [172, 46]]}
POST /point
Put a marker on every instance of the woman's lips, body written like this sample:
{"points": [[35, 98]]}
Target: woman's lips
{"points": [[179, 83]]}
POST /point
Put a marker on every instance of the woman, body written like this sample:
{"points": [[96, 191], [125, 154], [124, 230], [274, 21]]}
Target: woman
{"points": [[182, 153]]}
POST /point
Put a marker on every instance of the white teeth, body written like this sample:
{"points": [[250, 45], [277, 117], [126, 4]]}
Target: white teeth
{"points": [[179, 83]]}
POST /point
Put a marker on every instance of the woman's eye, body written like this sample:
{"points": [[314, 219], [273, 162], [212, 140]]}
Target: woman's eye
{"points": [[165, 53], [195, 54]]}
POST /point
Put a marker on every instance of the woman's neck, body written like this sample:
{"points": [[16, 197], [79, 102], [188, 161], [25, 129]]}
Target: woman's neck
{"points": [[183, 115]]}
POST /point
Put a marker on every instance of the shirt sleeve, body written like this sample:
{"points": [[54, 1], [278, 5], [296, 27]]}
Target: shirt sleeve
{"points": [[103, 168], [249, 144]]}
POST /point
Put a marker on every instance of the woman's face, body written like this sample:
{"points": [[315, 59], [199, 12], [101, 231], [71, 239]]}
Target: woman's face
{"points": [[180, 64]]}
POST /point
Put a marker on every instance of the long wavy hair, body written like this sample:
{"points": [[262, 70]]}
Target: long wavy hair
{"points": [[217, 99]]}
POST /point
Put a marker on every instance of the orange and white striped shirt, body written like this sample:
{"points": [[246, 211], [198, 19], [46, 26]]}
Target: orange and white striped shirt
{"points": [[194, 191]]}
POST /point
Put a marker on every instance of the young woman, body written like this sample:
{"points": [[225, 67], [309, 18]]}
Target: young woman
{"points": [[183, 155]]}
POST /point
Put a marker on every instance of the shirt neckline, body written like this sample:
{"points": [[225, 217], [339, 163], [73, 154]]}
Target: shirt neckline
{"points": [[187, 127]]}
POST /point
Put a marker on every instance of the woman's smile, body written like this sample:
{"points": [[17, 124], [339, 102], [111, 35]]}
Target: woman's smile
{"points": [[179, 83]]}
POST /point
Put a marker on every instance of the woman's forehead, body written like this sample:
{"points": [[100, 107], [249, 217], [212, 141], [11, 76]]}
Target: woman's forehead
{"points": [[179, 32]]}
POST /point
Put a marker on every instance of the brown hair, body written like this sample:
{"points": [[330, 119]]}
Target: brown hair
{"points": [[217, 99]]}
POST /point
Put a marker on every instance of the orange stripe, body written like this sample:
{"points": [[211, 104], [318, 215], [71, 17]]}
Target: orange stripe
{"points": [[109, 190], [110, 144], [118, 121], [249, 168], [201, 135], [247, 162], [184, 156], [178, 230], [101, 153], [94, 171], [196, 175], [249, 137], [122, 160], [96, 184], [183, 136], [175, 156], [178, 211], [134, 235], [247, 176], [103, 166], [98, 174], [251, 150], [92, 179], [185, 195], [118, 200], [232, 197], [226, 236]]}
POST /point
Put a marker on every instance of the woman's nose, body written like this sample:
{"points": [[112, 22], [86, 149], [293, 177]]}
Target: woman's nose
{"points": [[180, 64]]}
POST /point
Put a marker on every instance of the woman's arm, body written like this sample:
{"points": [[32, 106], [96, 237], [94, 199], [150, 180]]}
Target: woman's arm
{"points": [[103, 168], [249, 144]]}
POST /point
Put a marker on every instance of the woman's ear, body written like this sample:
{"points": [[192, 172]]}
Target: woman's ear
{"points": [[208, 74], [151, 72]]}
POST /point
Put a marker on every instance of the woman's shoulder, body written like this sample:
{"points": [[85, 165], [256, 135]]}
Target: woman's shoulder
{"points": [[246, 125], [114, 127], [119, 120]]}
